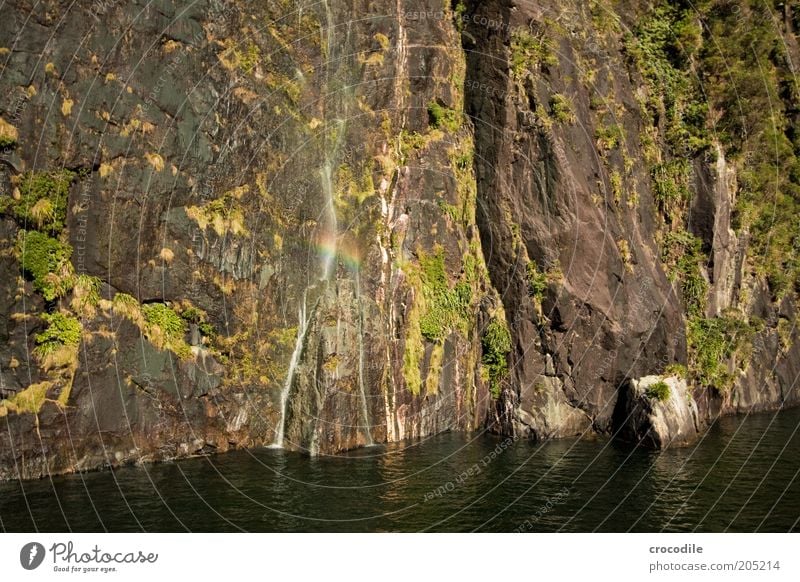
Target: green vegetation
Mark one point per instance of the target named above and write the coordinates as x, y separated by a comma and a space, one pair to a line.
677, 370
159, 323
62, 331
662, 47
42, 201
684, 257
127, 306
561, 109
444, 118
85, 294
46, 260
732, 60
671, 186
529, 50
609, 137
537, 282
445, 308
200, 319
496, 344
247, 56
712, 342
659, 391
165, 329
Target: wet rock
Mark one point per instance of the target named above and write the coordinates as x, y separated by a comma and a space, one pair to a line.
657, 412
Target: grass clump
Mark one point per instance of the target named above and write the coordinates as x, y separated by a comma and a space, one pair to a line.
8, 134
443, 117
46, 261
165, 329
224, 214
561, 109
676, 370
496, 344
85, 295
62, 331
42, 201
530, 50
659, 391
537, 282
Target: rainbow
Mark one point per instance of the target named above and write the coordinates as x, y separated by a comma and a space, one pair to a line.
343, 251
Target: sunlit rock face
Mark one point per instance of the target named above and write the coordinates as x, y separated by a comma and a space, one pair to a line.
326, 225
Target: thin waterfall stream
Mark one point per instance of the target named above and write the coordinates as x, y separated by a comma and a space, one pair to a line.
333, 134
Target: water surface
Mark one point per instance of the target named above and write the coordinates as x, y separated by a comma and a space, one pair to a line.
743, 476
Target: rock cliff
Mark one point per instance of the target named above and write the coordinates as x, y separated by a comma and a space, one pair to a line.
322, 225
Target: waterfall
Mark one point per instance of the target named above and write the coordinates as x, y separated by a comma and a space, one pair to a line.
335, 114
295, 360
364, 408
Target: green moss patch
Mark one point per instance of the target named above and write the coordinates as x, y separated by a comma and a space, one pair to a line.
62, 331
46, 261
42, 201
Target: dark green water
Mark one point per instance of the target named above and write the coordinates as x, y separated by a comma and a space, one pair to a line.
742, 477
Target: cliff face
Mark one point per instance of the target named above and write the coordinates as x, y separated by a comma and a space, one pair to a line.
321, 225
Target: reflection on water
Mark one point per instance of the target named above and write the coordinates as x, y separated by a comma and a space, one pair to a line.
743, 476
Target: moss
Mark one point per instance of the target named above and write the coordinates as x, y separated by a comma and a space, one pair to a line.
244, 55
46, 260
444, 118
62, 331
659, 391
42, 201
496, 344
27, 401
537, 282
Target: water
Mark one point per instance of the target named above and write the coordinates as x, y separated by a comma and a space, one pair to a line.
302, 329
743, 477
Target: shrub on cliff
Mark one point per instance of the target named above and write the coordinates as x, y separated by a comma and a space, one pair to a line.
42, 200
62, 331
46, 260
496, 344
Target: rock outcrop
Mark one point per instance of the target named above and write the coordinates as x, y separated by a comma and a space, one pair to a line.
658, 412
